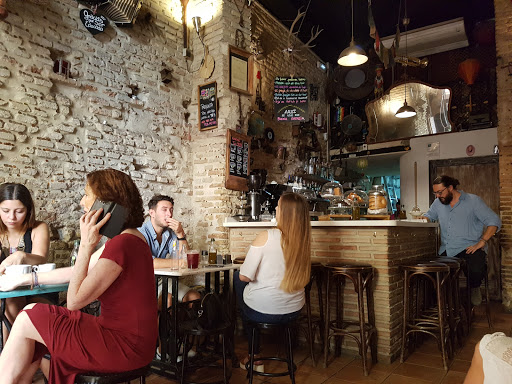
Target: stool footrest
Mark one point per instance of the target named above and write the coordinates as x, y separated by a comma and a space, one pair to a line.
272, 374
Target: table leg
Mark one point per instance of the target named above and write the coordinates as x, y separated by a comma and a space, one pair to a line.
164, 330
174, 322
217, 282
207, 282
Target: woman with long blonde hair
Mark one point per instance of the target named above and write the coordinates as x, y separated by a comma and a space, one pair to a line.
271, 281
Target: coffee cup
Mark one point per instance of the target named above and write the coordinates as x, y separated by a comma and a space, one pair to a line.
44, 267
18, 269
193, 259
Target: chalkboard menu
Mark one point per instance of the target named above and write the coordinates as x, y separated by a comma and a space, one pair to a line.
291, 98
207, 96
238, 157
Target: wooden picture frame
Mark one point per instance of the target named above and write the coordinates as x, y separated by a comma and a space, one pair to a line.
240, 70
238, 150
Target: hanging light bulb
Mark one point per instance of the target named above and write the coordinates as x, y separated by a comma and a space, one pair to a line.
405, 110
352, 55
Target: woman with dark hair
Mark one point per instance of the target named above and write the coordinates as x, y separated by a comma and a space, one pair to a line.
270, 285
24, 240
116, 341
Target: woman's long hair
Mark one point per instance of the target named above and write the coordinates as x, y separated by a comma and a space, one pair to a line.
116, 186
13, 191
293, 222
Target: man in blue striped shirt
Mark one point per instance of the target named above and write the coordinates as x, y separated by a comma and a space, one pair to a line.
463, 218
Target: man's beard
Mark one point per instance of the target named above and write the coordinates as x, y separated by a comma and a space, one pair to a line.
446, 200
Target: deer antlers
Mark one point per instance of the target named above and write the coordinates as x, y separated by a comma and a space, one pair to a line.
293, 38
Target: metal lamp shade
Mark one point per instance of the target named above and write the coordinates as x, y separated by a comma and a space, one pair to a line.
405, 111
352, 56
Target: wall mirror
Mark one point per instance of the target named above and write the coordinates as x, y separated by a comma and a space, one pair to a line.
432, 107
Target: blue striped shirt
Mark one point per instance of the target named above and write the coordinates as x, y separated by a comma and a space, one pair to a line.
158, 250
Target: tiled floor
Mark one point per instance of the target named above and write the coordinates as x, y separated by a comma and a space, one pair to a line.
422, 367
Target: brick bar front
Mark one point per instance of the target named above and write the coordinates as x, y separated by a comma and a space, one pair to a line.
383, 244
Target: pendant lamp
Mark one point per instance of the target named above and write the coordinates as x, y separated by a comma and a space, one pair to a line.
405, 110
352, 55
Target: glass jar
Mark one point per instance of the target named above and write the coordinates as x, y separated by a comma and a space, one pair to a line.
357, 194
331, 190
340, 206
377, 201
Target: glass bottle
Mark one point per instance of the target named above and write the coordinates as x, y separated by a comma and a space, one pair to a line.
212, 253
74, 253
174, 256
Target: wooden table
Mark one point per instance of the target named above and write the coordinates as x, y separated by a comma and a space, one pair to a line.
168, 337
21, 292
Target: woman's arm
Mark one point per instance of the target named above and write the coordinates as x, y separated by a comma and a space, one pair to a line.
248, 270
40, 248
86, 286
57, 276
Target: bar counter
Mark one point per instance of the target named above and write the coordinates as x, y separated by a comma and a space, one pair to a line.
383, 244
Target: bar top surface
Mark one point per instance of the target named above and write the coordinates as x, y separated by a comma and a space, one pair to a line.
231, 223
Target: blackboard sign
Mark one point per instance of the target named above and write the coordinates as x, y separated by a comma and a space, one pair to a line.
94, 23
207, 96
238, 157
291, 98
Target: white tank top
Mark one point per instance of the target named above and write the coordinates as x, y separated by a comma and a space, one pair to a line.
265, 267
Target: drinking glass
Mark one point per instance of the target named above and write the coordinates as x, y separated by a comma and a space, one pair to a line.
193, 259
204, 258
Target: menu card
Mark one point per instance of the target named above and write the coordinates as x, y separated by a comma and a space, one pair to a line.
238, 157
207, 96
291, 98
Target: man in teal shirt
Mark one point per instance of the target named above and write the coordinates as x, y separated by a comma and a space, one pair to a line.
463, 218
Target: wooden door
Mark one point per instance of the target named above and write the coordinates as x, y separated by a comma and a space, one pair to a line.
480, 176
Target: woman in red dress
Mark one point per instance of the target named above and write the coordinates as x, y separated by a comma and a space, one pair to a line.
120, 275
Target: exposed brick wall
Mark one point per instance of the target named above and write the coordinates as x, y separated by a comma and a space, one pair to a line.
53, 130
503, 16
385, 248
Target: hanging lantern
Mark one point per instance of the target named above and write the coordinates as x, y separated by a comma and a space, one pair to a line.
362, 163
468, 70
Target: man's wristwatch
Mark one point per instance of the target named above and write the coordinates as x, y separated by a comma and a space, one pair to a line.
182, 238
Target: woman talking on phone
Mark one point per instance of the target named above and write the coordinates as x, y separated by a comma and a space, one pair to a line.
117, 340
24, 239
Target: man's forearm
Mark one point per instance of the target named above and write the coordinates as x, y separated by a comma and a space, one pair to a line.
164, 263
489, 232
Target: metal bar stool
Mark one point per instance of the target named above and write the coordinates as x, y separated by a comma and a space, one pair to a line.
426, 322
113, 378
287, 328
190, 329
313, 322
364, 331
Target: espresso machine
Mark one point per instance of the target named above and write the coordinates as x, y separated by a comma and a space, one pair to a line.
255, 197
273, 192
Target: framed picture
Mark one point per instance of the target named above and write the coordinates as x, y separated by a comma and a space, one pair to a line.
240, 70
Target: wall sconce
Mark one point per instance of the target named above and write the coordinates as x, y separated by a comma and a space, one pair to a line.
196, 20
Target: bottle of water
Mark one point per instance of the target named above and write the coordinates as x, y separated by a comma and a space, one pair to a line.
174, 256
74, 253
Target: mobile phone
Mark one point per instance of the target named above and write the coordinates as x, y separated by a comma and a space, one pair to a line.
118, 214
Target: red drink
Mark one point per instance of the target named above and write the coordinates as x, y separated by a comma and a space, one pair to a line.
193, 259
